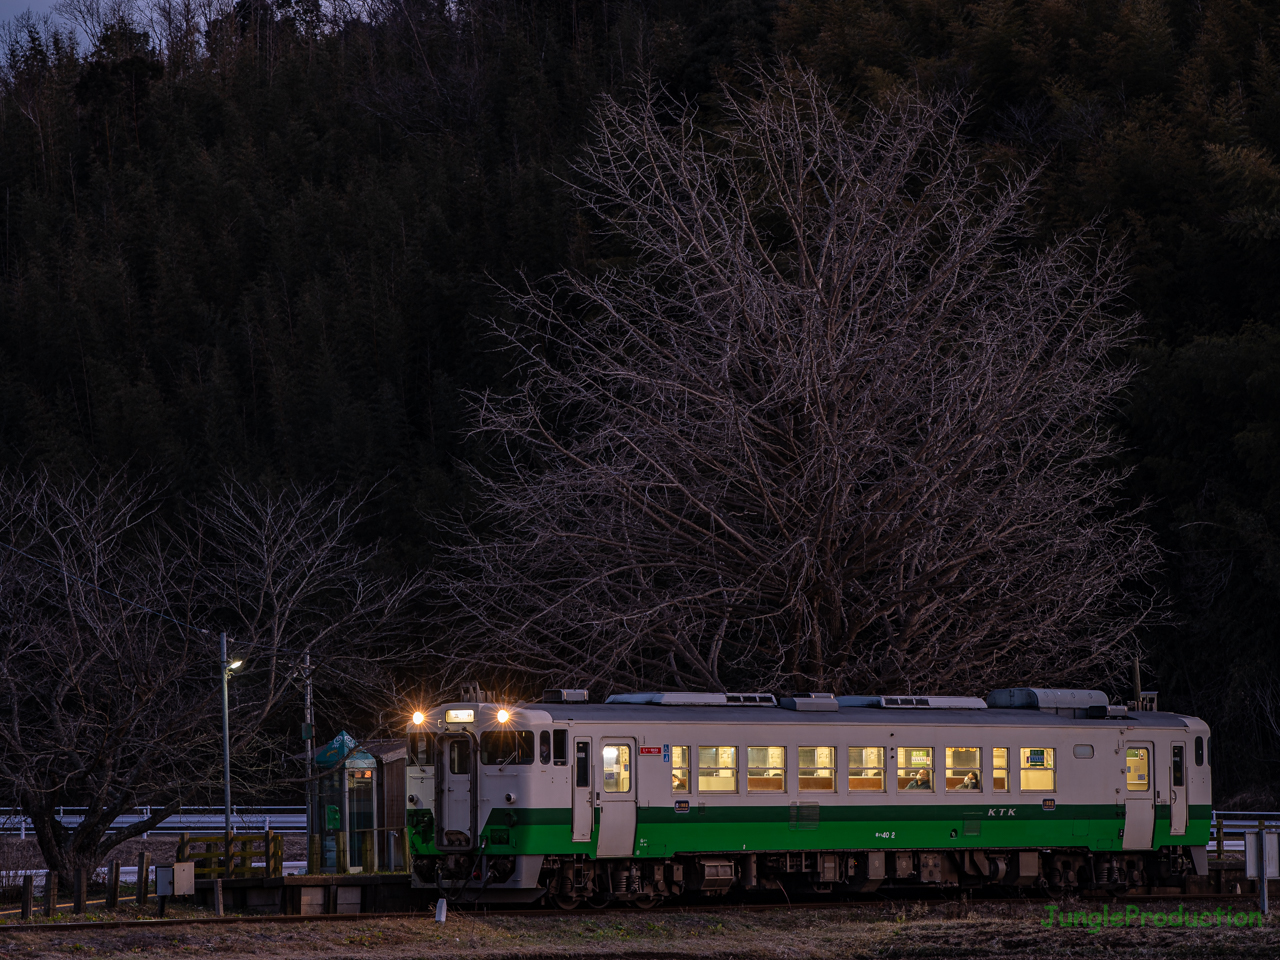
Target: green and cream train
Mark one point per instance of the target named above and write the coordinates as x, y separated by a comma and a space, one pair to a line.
654, 795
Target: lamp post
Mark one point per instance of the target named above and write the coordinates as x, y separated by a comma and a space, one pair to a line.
228, 668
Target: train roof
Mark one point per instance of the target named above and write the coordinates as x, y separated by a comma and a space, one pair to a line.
868, 716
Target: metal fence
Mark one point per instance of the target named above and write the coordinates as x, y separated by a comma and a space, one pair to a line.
1227, 835
187, 820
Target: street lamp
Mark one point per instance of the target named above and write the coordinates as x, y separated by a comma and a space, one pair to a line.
228, 668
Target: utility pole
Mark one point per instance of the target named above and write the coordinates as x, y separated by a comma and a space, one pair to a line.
310, 721
226, 736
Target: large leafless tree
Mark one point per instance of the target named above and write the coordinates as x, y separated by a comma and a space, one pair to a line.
832, 422
109, 655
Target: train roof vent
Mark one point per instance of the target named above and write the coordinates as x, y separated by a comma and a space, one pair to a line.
1045, 700
685, 699
916, 703
564, 696
810, 702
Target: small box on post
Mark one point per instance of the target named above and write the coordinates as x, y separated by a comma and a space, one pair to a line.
178, 880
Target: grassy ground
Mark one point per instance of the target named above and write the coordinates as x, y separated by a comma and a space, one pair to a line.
942, 931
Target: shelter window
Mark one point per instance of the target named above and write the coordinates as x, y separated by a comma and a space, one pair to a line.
1199, 751
866, 768
617, 767
459, 756
999, 769
1137, 768
964, 768
717, 769
560, 748
766, 769
1179, 764
506, 746
1037, 769
544, 746
818, 769
915, 768
680, 769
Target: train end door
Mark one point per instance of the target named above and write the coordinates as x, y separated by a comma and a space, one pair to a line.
456, 792
1140, 796
1177, 790
584, 811
617, 797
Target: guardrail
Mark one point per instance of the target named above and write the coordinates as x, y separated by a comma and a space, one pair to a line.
187, 820
1227, 834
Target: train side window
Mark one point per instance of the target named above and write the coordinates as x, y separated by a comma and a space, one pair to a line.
422, 749
915, 768
964, 768
582, 761
544, 746
1199, 751
501, 747
1082, 751
1037, 771
1137, 768
999, 769
560, 748
866, 768
717, 769
766, 769
680, 769
1208, 751
459, 757
1178, 764
818, 769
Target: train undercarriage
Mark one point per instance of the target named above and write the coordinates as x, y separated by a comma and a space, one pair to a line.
572, 881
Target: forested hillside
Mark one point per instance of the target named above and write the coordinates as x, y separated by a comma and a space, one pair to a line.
267, 242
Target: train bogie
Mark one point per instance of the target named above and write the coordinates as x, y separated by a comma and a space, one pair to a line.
656, 795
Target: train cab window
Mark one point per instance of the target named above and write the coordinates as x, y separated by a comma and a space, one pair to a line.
766, 769
1137, 768
866, 768
1037, 769
422, 749
501, 747
1179, 764
1208, 751
617, 767
560, 748
999, 769
1199, 751
964, 769
717, 769
817, 769
915, 768
680, 769
459, 757
544, 746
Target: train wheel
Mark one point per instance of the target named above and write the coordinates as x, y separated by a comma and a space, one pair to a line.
644, 903
567, 903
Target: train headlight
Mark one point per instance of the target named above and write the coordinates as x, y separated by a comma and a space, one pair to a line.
418, 717
503, 716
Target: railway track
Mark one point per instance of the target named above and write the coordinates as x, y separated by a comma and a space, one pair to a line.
485, 911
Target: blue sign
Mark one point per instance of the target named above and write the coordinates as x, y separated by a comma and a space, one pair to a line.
666, 753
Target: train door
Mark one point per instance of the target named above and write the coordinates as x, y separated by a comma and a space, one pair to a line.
617, 798
1139, 797
455, 792
584, 810
1177, 790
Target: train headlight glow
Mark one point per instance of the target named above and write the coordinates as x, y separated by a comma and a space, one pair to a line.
418, 717
503, 716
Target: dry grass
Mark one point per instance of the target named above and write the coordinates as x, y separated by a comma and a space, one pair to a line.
952, 931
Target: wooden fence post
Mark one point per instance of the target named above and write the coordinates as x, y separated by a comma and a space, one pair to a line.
315, 862
217, 897
144, 878
368, 855
228, 840
406, 849
113, 885
184, 848
28, 895
340, 848
50, 893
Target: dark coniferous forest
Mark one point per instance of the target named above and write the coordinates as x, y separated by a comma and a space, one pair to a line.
268, 241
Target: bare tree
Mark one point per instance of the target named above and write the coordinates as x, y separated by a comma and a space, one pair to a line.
110, 700
837, 424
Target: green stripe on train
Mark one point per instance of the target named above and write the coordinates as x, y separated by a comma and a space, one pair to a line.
662, 832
